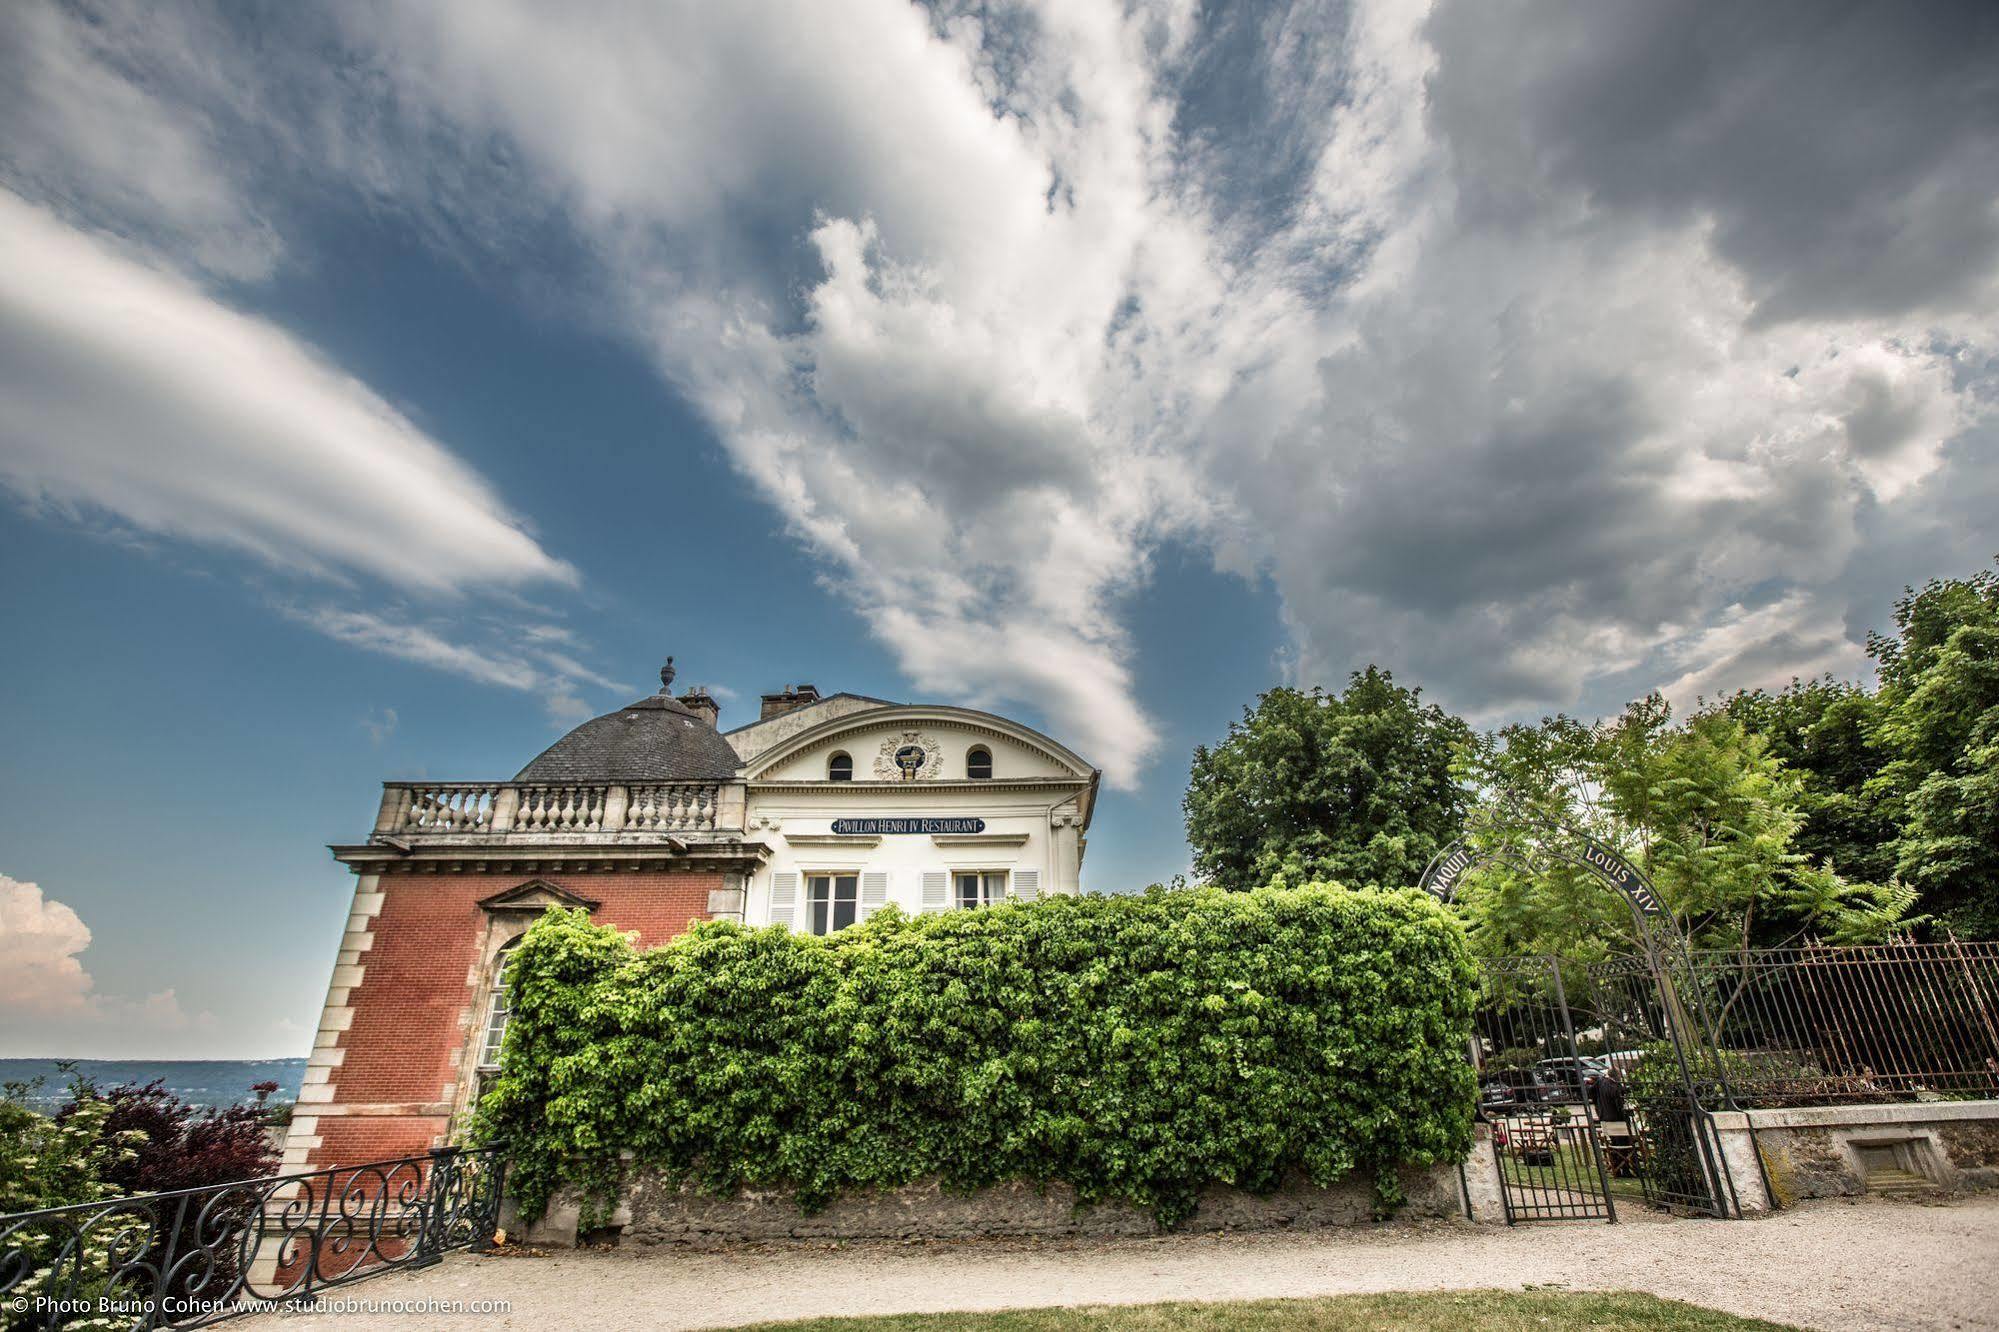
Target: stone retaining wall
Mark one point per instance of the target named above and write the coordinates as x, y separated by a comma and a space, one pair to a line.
655, 1213
1828, 1151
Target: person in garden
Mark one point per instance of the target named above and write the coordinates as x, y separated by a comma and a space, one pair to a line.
1608, 1095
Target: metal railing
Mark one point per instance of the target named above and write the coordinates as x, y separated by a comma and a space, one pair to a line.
194, 1256
1830, 1025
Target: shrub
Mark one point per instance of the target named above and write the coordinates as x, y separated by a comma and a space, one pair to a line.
1136, 1048
49, 1163
183, 1146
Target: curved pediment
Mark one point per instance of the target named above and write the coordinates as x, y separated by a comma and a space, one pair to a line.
928, 742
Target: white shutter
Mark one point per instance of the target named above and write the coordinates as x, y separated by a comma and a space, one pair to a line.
1026, 885
783, 899
874, 892
936, 891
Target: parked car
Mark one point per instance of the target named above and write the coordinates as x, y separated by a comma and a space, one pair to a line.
1507, 1089
1573, 1075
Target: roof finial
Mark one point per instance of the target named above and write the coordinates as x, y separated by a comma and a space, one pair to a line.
666, 677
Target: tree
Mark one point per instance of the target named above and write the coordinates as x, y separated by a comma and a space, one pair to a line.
1822, 730
1356, 788
1706, 810
1938, 718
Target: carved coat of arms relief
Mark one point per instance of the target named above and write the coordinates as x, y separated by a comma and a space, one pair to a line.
909, 756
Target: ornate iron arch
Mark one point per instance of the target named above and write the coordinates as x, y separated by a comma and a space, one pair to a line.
1662, 942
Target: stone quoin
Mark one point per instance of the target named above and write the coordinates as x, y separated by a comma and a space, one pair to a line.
815, 815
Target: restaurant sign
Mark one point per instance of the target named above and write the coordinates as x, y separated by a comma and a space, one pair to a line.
891, 827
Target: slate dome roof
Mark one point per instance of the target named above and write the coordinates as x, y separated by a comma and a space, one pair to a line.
657, 739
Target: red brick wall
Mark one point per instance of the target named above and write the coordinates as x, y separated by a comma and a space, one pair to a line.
415, 995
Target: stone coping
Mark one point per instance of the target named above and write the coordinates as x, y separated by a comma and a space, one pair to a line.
1833, 1116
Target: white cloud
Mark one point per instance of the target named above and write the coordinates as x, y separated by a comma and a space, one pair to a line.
555, 676
1514, 444
420, 644
41, 975
946, 416
1764, 648
129, 390
1502, 387
49, 1003
83, 126
380, 724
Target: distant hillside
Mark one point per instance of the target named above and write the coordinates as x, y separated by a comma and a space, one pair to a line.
209, 1082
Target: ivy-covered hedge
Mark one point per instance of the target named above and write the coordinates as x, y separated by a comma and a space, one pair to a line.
1134, 1047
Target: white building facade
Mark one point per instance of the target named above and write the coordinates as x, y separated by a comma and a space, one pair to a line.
862, 802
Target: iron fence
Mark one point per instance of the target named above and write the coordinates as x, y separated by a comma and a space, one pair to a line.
194, 1256
1827, 1025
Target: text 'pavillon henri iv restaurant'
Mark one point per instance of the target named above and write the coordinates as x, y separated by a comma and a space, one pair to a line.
814, 815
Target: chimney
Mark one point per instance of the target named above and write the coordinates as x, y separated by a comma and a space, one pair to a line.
792, 698
700, 701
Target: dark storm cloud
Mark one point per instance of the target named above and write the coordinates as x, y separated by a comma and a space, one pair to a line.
1650, 367
1848, 154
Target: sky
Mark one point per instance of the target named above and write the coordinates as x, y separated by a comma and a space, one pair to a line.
386, 387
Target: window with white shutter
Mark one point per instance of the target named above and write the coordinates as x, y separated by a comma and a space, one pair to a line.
832, 902
1026, 885
783, 899
936, 891
874, 892
978, 888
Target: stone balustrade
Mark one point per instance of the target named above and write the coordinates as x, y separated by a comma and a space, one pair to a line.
539, 811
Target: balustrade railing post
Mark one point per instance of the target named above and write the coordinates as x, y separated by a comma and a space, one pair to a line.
506, 804
395, 799
730, 806
617, 799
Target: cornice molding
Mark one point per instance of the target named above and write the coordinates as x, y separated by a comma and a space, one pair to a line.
921, 787
372, 858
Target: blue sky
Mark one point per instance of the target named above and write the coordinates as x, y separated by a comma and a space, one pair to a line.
385, 387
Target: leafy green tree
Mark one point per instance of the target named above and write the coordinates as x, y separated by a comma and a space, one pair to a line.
1528, 778
1706, 810
1938, 717
1821, 729
1356, 788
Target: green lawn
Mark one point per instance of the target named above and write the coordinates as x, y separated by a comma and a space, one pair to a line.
1577, 1170
1445, 1311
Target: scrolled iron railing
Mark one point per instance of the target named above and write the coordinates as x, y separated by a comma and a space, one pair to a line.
195, 1256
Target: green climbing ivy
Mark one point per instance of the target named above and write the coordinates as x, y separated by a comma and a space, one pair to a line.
1135, 1047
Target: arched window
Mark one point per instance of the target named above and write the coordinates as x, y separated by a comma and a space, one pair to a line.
496, 1008
840, 768
979, 763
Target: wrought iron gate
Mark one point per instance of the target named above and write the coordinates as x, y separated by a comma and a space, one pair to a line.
1534, 1096
1588, 1095
1647, 1014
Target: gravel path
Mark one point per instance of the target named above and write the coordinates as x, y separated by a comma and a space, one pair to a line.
1839, 1265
